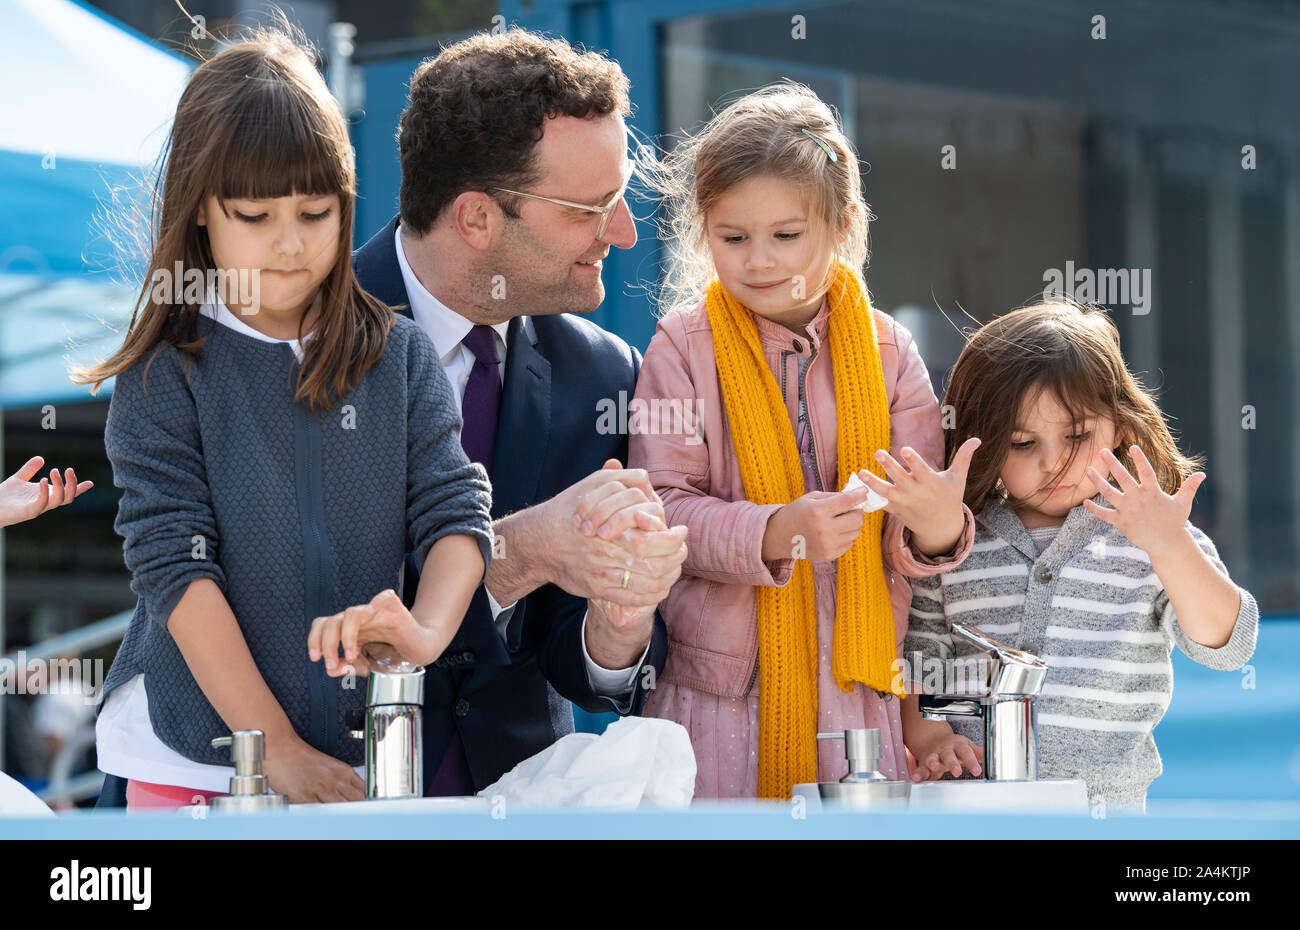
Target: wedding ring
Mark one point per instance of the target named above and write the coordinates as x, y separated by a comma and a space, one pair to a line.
626, 575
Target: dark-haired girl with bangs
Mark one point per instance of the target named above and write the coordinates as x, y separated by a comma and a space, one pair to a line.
1099, 579
282, 439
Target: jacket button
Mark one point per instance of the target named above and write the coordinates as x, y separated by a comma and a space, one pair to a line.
1044, 575
798, 346
461, 707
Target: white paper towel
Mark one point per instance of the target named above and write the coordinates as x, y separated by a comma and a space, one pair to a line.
17, 801
873, 502
636, 762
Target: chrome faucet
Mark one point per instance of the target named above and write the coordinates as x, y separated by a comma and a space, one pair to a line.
394, 733
1007, 699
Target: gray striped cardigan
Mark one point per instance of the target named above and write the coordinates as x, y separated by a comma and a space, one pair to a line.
1094, 610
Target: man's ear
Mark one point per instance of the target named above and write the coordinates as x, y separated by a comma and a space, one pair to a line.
477, 218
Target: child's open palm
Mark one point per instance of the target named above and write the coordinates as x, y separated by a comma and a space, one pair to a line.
928, 502
21, 500
1141, 510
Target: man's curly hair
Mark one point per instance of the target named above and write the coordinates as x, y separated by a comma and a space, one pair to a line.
476, 112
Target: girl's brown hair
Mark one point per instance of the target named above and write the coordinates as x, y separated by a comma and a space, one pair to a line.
256, 121
761, 133
1073, 351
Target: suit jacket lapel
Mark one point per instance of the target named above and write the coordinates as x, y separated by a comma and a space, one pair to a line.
379, 272
524, 424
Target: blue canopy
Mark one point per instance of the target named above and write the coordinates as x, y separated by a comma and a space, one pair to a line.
87, 109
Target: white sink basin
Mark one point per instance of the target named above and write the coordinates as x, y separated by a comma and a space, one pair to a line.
1045, 795
403, 806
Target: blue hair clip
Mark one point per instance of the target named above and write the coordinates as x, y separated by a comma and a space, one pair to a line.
821, 143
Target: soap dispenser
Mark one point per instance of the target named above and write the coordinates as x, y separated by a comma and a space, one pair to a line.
249, 790
865, 786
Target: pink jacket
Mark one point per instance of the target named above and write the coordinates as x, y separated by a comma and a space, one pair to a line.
711, 612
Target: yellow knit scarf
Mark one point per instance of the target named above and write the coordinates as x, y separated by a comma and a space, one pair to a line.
764, 441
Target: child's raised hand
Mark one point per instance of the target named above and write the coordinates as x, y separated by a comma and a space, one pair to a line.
927, 501
944, 753
1141, 510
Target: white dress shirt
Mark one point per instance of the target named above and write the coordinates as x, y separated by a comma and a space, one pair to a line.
447, 329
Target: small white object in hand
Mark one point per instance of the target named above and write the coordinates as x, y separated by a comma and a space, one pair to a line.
873, 502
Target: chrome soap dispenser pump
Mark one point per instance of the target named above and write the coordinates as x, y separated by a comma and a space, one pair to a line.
250, 791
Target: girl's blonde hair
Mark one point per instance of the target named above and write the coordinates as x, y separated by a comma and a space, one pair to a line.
256, 121
1073, 352
761, 133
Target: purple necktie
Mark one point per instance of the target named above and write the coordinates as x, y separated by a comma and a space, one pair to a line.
482, 399
478, 436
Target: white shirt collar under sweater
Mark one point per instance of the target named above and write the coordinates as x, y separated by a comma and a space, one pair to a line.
216, 309
445, 326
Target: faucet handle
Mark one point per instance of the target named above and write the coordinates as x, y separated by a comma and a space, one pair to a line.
1014, 672
1004, 651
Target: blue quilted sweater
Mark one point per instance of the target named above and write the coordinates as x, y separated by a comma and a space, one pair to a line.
293, 515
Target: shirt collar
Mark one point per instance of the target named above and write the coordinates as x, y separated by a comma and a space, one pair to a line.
445, 326
215, 308
1079, 529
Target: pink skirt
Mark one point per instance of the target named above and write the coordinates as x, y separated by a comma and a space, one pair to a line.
724, 731
143, 795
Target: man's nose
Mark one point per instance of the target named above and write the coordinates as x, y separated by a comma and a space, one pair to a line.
621, 231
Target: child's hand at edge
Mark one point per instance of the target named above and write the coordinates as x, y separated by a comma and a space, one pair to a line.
21, 500
942, 753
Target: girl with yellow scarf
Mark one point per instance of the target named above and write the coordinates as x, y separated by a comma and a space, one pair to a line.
793, 602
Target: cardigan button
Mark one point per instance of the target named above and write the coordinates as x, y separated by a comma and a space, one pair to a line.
1044, 575
461, 707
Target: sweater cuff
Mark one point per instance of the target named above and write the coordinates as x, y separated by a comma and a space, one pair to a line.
915, 564
163, 603
1240, 645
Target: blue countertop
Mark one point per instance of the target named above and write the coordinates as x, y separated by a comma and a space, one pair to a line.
1176, 820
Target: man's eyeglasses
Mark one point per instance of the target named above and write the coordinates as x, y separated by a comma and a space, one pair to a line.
605, 211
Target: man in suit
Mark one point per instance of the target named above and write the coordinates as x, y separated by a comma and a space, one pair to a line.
514, 165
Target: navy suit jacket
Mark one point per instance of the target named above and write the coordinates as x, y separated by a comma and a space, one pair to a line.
506, 699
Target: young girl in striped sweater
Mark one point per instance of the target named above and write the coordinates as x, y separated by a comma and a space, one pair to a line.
1099, 579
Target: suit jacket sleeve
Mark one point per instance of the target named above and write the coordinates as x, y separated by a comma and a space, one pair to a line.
559, 615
